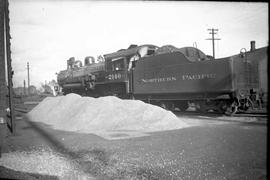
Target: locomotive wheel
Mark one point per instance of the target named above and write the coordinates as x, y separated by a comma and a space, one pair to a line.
182, 105
163, 105
245, 105
166, 105
65, 92
222, 107
231, 109
228, 108
202, 107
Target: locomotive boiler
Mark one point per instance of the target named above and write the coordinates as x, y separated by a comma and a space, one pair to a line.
81, 79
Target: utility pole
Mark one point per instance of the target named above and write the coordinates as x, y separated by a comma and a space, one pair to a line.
28, 77
6, 74
213, 32
24, 88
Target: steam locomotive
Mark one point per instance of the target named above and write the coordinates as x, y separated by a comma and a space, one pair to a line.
173, 77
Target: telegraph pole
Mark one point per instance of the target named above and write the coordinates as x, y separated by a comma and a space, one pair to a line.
213, 32
24, 88
28, 77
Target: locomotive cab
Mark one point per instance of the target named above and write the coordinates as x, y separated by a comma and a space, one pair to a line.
118, 67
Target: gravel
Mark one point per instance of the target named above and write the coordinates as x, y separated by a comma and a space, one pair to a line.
42, 161
95, 115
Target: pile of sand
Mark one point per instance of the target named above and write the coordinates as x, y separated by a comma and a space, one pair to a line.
86, 114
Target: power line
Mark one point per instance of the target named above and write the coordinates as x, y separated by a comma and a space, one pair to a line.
213, 32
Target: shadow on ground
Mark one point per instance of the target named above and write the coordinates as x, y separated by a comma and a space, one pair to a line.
6, 173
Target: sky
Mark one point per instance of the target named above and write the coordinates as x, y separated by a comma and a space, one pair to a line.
46, 33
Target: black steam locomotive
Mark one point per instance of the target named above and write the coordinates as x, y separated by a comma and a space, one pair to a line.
173, 77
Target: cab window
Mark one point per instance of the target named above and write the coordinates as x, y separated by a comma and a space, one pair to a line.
118, 64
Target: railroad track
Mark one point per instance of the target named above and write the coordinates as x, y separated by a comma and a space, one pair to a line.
22, 110
258, 119
216, 114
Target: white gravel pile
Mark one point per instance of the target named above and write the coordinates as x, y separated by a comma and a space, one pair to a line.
85, 114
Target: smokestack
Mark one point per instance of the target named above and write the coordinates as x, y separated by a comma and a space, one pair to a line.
252, 45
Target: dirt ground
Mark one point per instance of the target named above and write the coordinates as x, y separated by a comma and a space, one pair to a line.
209, 150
